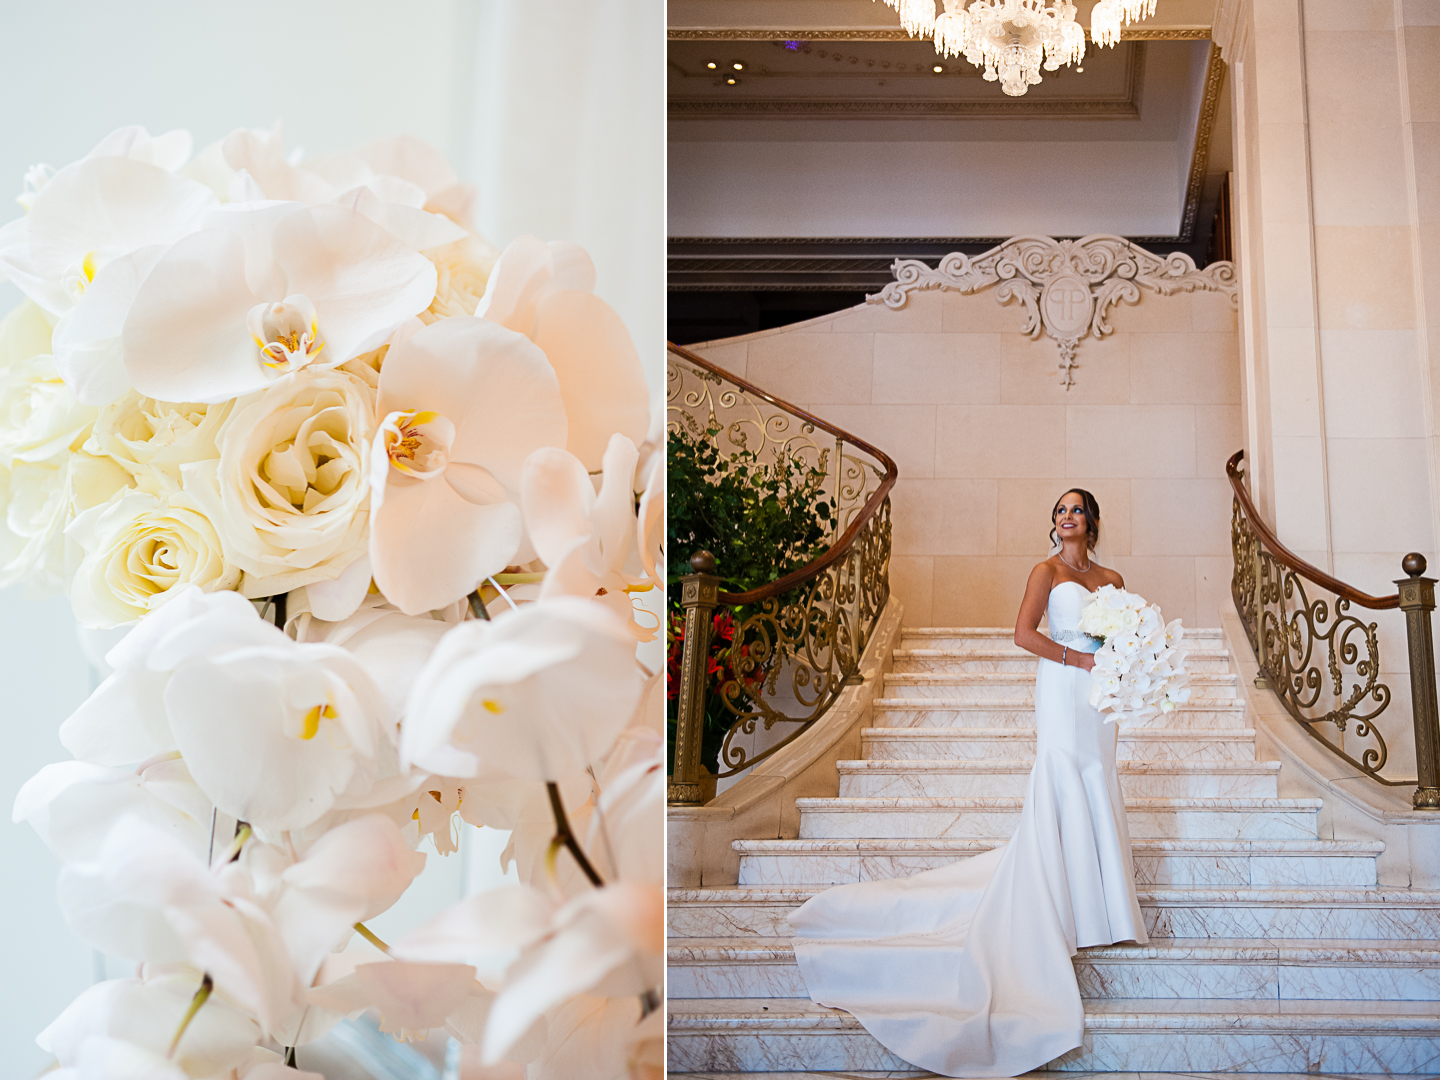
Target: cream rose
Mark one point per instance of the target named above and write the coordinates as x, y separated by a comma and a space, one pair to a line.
37, 502
152, 439
289, 493
461, 268
139, 548
39, 416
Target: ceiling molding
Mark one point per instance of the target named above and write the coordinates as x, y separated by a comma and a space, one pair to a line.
1123, 107
735, 33
1200, 157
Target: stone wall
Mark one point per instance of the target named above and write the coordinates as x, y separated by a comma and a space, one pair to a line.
987, 438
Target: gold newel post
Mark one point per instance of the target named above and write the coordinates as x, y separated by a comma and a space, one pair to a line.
698, 596
1417, 600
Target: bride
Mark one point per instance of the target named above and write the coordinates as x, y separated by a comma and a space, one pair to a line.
965, 970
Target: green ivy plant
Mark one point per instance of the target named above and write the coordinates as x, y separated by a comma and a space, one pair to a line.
761, 520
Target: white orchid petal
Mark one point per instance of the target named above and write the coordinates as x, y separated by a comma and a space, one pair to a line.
601, 378
558, 498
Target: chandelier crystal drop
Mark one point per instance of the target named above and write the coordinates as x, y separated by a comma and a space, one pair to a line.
1013, 39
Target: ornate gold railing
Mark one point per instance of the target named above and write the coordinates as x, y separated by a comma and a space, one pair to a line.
798, 641
1322, 661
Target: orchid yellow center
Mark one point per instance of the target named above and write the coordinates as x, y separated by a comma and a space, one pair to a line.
313, 718
79, 276
287, 334
492, 706
418, 442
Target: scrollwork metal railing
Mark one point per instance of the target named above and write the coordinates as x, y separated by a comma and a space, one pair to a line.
796, 642
1321, 659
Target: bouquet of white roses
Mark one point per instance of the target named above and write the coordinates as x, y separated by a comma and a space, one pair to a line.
374, 502
1140, 668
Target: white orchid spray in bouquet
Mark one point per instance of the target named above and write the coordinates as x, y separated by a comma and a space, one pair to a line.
1140, 667
374, 503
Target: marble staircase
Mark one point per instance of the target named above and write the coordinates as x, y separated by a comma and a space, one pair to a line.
1272, 948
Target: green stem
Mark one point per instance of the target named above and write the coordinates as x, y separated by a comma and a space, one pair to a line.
233, 851
364, 931
566, 839
201, 996
517, 579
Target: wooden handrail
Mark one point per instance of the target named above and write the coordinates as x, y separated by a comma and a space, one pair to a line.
1287, 557
842, 546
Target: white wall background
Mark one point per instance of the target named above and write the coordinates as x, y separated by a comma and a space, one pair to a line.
555, 110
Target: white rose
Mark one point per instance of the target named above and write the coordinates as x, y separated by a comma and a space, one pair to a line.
289, 491
152, 439
39, 416
37, 502
139, 548
24, 332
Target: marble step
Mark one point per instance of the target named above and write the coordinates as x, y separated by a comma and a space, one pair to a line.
1397, 1038
979, 686
1002, 638
994, 660
1196, 970
1207, 819
1382, 914
1020, 712
995, 777
1135, 744
1175, 863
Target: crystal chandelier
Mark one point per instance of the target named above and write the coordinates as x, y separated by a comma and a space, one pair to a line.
1013, 39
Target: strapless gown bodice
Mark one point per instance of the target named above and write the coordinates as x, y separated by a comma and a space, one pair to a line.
966, 969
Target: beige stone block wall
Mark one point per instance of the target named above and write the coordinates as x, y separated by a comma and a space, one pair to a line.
986, 439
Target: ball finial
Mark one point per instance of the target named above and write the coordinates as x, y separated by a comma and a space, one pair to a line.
702, 562
1413, 564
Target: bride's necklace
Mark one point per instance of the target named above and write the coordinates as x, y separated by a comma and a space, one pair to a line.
1072, 566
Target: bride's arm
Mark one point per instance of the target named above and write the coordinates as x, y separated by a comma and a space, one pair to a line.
1027, 634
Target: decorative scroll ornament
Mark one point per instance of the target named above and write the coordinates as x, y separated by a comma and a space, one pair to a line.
1067, 287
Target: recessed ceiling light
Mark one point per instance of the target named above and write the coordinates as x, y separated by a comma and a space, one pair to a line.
937, 69
1079, 70
732, 81
738, 65
712, 64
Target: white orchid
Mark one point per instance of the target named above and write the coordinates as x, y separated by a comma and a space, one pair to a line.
276, 732
260, 292
148, 1014
544, 292
72, 804
412, 998
540, 692
90, 214
584, 538
463, 402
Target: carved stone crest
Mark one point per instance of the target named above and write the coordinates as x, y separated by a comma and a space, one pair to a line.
1067, 287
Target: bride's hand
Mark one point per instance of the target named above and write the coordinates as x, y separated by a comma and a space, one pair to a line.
1085, 661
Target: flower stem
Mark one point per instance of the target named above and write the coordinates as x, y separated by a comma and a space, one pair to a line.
477, 606
516, 579
364, 931
201, 996
233, 851
565, 838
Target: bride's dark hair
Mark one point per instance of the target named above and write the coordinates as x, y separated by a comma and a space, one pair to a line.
1091, 509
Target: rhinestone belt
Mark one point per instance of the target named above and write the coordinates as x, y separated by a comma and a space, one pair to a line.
1066, 637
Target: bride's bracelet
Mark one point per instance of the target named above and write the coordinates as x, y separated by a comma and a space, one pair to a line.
1064, 652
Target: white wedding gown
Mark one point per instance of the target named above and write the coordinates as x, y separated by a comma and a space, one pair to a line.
966, 970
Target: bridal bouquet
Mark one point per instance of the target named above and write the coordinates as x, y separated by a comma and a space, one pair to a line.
372, 502
1140, 668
